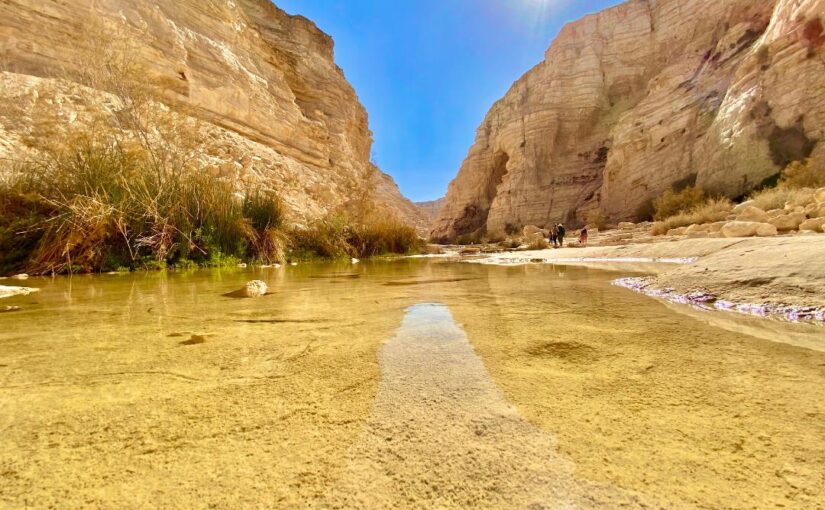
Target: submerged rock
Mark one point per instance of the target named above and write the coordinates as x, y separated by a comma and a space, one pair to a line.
8, 291
255, 288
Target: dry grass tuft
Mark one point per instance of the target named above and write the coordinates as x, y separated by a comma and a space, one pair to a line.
711, 211
672, 203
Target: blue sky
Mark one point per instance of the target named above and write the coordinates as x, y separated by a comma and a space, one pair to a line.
428, 70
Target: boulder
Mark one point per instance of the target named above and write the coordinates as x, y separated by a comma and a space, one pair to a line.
817, 211
255, 289
21, 276
744, 205
716, 227
752, 213
696, 229
531, 231
773, 213
787, 222
819, 195
766, 230
626, 225
677, 231
741, 228
813, 225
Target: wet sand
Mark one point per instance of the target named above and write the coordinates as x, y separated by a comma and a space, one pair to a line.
524, 387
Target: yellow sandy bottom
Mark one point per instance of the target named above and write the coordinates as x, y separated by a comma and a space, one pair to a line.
407, 384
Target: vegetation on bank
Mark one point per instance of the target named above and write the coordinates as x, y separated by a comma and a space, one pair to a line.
100, 205
130, 184
689, 206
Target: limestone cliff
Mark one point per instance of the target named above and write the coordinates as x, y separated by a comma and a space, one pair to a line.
431, 209
277, 109
642, 97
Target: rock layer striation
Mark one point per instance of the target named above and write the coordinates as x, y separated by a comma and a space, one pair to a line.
643, 97
265, 83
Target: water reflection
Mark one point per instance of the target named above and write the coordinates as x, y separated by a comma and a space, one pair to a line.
442, 433
527, 385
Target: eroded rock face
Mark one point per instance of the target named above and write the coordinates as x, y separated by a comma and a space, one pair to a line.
643, 97
277, 108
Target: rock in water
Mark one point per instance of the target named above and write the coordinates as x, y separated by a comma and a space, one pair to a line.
255, 288
7, 291
642, 97
355, 260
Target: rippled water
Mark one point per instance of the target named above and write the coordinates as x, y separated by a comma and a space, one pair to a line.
405, 384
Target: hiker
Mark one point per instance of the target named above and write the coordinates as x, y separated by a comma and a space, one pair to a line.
583, 237
560, 235
554, 235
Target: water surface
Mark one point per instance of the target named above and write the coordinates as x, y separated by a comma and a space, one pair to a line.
406, 384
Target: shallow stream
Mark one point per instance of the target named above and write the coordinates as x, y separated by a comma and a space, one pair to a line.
402, 384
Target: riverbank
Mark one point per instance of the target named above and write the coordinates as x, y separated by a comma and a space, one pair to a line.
763, 276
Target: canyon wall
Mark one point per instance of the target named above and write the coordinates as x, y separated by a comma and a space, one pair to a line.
643, 97
274, 107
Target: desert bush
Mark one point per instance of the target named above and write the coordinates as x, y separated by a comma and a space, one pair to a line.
340, 235
671, 202
710, 211
807, 174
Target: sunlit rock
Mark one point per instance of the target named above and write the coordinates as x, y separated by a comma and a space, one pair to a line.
788, 222
751, 213
255, 288
9, 291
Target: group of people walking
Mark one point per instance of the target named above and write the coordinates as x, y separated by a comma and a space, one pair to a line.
557, 233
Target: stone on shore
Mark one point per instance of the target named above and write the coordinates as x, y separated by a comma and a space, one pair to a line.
744, 205
813, 225
626, 225
748, 229
532, 231
816, 211
752, 213
788, 222
255, 289
819, 195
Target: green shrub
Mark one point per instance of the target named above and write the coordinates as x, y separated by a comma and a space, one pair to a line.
671, 202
